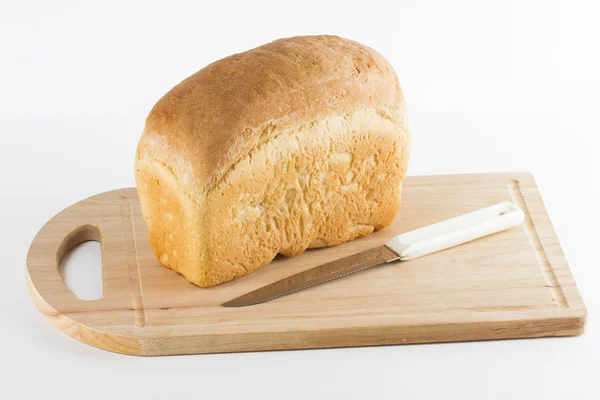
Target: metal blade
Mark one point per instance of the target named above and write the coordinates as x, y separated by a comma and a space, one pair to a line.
315, 276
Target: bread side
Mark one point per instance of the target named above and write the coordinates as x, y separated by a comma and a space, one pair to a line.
317, 162
322, 185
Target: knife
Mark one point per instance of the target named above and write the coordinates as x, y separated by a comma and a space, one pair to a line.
404, 247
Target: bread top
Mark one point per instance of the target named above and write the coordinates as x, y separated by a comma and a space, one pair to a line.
217, 116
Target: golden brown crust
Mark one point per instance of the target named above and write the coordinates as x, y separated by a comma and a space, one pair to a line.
295, 144
219, 114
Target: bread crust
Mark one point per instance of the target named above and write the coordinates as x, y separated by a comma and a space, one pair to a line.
300, 143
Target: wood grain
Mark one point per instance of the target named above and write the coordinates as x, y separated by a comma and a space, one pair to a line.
514, 284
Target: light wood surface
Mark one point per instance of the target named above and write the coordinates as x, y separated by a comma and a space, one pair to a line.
514, 284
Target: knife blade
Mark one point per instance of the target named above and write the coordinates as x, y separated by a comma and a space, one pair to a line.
315, 276
406, 246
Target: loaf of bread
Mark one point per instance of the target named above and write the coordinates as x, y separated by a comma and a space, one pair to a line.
297, 144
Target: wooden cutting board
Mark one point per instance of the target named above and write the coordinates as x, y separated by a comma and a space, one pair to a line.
514, 284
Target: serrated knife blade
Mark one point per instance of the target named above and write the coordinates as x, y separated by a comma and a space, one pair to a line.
316, 276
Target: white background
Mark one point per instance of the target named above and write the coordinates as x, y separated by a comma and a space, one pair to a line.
491, 86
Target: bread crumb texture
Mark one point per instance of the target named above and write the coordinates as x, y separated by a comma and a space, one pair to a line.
312, 153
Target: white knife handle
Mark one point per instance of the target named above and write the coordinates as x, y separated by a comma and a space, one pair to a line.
455, 231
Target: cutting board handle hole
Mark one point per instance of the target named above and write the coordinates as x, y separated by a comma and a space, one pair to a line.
80, 263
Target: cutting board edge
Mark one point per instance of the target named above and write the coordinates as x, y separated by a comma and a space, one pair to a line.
387, 335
